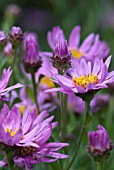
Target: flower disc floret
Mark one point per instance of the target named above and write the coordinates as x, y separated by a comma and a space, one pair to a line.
76, 53
12, 133
84, 81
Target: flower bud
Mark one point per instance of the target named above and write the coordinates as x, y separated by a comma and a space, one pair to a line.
3, 40
99, 144
32, 60
12, 10
61, 56
16, 35
3, 37
8, 51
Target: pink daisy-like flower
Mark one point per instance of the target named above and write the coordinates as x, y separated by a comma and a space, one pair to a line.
84, 76
92, 46
28, 136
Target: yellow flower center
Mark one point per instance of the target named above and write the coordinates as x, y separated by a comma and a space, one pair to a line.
22, 109
76, 53
12, 133
47, 81
83, 81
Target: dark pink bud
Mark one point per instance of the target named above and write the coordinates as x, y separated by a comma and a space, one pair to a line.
99, 143
32, 60
61, 56
16, 35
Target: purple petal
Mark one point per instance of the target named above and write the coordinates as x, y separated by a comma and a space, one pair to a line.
74, 38
18, 136
87, 43
107, 62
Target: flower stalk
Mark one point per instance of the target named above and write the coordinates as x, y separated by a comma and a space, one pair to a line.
10, 162
62, 114
14, 57
35, 91
100, 165
62, 117
80, 137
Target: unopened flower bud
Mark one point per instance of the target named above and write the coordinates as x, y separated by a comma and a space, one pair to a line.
8, 51
16, 35
3, 37
12, 10
99, 144
3, 40
61, 56
32, 60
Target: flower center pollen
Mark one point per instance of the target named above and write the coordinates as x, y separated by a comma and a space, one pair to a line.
47, 81
76, 53
12, 133
84, 81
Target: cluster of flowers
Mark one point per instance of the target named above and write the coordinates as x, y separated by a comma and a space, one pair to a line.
79, 70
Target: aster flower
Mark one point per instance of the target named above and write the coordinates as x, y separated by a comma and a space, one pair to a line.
4, 82
100, 144
32, 60
91, 47
28, 137
84, 76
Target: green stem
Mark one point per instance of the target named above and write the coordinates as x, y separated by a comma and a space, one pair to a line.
62, 118
100, 165
35, 90
80, 137
10, 161
62, 114
13, 65
14, 58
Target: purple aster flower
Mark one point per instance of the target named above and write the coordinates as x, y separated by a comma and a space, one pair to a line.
32, 60
15, 35
99, 143
61, 56
84, 76
4, 82
91, 47
8, 51
100, 102
28, 137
